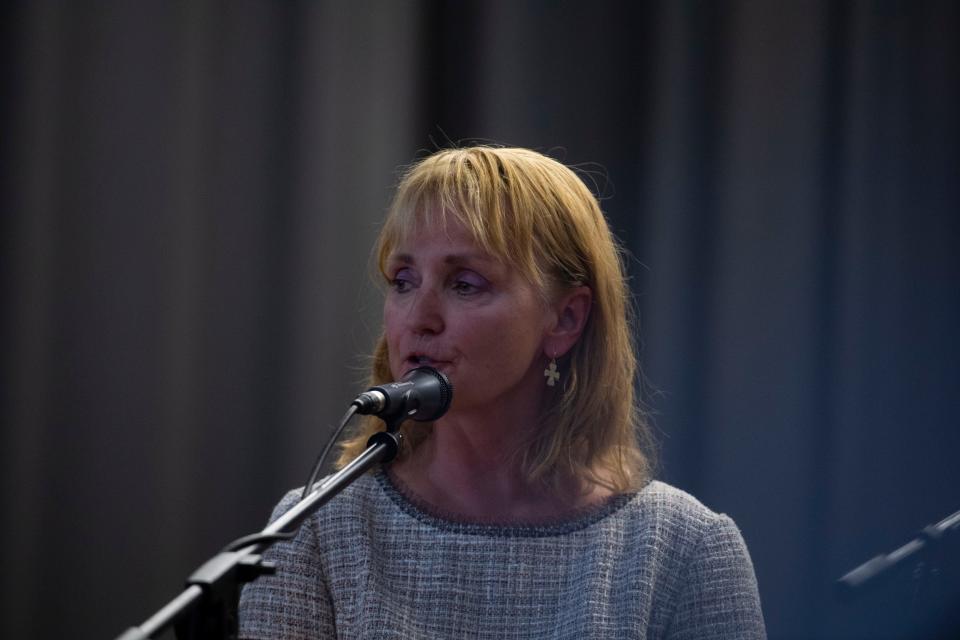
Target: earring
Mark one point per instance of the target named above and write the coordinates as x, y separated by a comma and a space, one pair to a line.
552, 373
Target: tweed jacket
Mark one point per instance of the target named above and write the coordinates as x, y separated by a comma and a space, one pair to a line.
375, 564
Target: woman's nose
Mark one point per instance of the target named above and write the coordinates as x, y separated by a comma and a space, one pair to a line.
426, 312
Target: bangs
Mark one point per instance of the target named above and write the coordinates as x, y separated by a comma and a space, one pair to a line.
471, 188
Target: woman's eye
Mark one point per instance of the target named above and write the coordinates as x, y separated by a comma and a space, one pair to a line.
401, 282
462, 287
468, 284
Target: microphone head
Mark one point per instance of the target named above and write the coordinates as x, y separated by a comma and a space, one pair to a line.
433, 393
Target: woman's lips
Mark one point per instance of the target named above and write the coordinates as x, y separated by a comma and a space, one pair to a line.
415, 361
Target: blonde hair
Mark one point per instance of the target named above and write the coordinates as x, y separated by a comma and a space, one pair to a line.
536, 215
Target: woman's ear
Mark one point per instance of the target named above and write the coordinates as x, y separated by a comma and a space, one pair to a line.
572, 310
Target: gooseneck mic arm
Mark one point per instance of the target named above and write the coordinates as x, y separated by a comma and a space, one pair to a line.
207, 607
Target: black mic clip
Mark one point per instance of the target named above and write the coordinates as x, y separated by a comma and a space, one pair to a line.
377, 401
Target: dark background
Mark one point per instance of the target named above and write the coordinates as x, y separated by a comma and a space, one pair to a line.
190, 191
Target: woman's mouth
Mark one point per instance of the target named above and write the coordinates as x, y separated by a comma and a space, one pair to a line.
420, 360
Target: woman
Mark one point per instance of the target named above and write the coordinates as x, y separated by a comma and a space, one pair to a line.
528, 510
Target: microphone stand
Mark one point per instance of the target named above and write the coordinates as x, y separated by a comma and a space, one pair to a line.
207, 608
931, 538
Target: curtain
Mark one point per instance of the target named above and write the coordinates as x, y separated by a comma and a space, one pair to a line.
191, 189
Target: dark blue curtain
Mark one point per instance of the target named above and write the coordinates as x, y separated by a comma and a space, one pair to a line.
190, 190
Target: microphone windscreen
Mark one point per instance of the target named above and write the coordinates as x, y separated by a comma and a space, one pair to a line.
434, 393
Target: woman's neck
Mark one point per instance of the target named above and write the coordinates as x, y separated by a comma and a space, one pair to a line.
472, 470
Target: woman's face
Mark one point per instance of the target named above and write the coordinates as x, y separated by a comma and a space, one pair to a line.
454, 307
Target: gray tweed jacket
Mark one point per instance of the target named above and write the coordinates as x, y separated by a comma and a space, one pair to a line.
372, 564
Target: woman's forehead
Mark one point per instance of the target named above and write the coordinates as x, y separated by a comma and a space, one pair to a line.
451, 245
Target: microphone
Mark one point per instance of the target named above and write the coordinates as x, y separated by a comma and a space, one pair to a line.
423, 394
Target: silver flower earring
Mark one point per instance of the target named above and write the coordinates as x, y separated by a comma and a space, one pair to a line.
552, 373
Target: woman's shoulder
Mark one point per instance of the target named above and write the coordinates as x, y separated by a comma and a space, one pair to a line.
705, 554
353, 495
670, 502
679, 520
